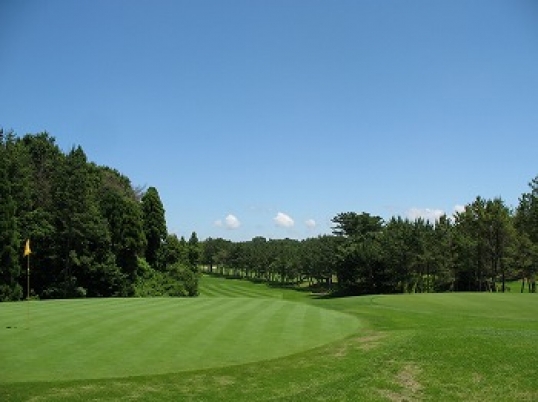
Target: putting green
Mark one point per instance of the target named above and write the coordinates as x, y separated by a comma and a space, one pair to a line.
106, 338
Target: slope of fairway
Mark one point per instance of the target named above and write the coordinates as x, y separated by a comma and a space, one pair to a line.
103, 338
213, 286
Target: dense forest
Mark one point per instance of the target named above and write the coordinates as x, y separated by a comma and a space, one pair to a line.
92, 233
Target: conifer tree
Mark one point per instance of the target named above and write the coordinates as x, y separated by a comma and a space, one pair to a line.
9, 241
194, 252
154, 224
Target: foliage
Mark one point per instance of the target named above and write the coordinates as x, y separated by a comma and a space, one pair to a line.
194, 252
87, 225
9, 250
154, 224
178, 280
90, 227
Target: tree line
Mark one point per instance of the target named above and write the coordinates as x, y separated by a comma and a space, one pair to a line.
478, 249
92, 233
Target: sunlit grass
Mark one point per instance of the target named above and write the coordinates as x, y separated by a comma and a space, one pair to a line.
104, 338
463, 346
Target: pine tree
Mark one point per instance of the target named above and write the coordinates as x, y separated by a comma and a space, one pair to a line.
83, 238
9, 241
154, 224
194, 253
133, 240
38, 221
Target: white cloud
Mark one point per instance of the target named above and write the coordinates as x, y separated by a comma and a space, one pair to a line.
283, 220
428, 214
459, 208
230, 222
310, 223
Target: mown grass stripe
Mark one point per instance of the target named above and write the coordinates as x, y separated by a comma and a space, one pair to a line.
250, 340
311, 323
227, 332
201, 344
211, 286
296, 320
234, 291
109, 338
164, 350
485, 343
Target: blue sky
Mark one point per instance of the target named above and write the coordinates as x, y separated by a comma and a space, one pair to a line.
270, 117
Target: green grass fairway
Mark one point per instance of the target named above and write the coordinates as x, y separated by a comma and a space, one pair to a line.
248, 342
83, 339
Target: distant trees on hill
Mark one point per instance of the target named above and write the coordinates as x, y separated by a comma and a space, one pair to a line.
91, 233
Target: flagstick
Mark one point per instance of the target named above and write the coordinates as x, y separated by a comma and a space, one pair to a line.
28, 291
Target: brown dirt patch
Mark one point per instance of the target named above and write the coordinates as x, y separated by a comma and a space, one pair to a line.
407, 380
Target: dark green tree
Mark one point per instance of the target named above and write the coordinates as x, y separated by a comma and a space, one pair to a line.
10, 249
215, 252
399, 253
444, 254
319, 259
526, 225
132, 242
500, 234
194, 251
352, 224
83, 240
470, 247
360, 268
154, 224
484, 235
171, 252
36, 221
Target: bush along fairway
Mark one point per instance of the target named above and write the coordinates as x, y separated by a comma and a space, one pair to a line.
244, 341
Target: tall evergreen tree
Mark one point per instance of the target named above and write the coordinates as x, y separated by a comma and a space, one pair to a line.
319, 258
399, 252
195, 251
124, 216
444, 254
154, 224
526, 223
500, 235
526, 218
360, 267
83, 239
38, 220
9, 238
484, 234
133, 241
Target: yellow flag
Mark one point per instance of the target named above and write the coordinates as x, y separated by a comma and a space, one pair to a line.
27, 250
